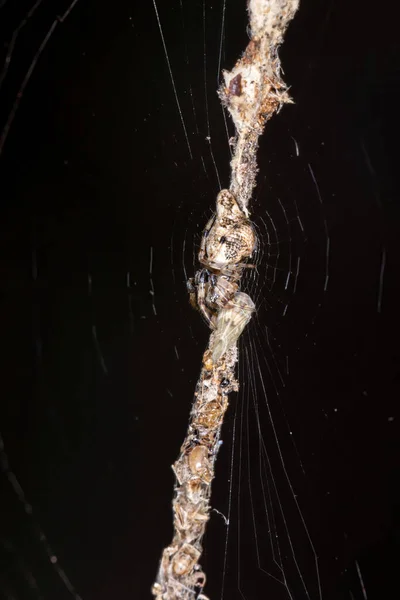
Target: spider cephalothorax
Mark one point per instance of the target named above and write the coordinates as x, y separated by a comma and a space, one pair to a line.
228, 240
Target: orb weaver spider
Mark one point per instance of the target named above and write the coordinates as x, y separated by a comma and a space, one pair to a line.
228, 240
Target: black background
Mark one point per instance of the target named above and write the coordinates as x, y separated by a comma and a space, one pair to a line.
96, 387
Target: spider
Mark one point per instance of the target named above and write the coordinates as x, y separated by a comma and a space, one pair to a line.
228, 239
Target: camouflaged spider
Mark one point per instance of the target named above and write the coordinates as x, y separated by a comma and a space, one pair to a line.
228, 239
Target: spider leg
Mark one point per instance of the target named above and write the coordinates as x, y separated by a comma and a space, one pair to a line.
207, 313
191, 288
207, 229
236, 271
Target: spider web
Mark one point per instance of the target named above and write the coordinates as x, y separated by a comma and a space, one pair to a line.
114, 146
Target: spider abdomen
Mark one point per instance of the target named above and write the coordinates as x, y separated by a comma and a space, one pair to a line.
230, 245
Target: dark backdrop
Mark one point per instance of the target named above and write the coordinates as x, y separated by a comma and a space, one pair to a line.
98, 373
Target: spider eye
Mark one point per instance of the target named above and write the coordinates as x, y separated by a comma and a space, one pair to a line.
222, 240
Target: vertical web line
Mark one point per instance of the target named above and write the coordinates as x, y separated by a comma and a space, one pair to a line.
219, 71
205, 94
172, 78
